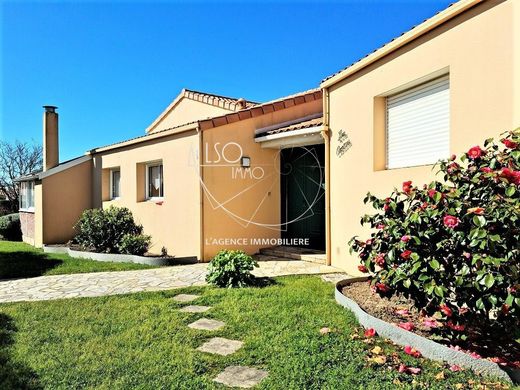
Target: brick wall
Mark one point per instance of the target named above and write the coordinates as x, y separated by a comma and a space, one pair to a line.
27, 225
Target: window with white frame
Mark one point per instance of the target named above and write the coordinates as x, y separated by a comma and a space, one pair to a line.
115, 183
154, 180
26, 198
418, 125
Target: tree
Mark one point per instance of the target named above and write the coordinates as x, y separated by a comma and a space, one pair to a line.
17, 159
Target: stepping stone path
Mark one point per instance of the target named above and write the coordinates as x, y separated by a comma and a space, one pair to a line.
185, 297
233, 376
239, 376
195, 309
221, 346
206, 324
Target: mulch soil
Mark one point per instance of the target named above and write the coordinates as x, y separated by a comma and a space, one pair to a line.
500, 348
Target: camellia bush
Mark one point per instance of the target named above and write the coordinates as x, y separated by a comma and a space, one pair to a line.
452, 246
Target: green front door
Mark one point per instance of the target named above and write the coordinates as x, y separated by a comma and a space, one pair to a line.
302, 173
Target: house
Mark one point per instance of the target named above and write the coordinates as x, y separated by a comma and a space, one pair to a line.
214, 172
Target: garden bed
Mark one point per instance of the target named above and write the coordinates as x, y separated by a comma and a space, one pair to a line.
117, 258
384, 315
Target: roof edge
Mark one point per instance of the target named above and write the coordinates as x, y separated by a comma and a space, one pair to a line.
409, 36
147, 137
57, 169
262, 109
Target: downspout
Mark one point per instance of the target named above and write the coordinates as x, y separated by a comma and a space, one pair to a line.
325, 133
201, 194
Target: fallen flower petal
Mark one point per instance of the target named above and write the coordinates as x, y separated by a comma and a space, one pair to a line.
370, 332
407, 326
324, 330
402, 312
412, 351
455, 368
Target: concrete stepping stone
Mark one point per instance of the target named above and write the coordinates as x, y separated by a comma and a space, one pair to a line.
240, 376
185, 297
195, 309
206, 324
221, 346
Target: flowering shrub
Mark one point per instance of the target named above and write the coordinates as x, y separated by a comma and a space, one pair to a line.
452, 246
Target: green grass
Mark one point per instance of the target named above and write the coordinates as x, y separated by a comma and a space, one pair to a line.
142, 341
20, 260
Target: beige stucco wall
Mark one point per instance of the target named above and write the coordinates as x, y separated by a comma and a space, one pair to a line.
64, 195
476, 49
185, 111
174, 224
238, 205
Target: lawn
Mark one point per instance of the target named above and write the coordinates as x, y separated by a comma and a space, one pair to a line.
20, 260
142, 341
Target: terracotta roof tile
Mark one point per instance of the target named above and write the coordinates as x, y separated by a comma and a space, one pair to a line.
305, 124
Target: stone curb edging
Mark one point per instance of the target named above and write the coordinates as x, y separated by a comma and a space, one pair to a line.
428, 348
112, 257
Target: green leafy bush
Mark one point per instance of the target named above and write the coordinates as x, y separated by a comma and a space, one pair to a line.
10, 227
452, 246
134, 244
231, 268
103, 230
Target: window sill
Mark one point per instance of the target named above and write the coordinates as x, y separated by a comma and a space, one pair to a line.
29, 210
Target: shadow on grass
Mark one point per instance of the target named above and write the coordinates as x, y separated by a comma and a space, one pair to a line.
260, 282
13, 375
25, 264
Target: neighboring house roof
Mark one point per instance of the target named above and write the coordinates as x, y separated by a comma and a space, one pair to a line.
224, 102
256, 110
261, 109
38, 175
415, 32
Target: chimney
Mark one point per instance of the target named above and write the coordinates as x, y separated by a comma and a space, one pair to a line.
50, 138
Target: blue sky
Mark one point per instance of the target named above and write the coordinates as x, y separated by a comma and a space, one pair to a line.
112, 67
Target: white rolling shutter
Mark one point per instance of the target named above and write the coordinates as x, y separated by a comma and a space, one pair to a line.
418, 125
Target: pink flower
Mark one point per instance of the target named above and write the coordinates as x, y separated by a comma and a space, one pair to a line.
407, 187
486, 169
370, 332
431, 323
363, 269
412, 351
380, 226
432, 192
408, 370
456, 327
402, 312
406, 254
509, 144
453, 167
475, 355
445, 309
369, 242
510, 175
407, 326
380, 260
455, 368
451, 221
475, 152
405, 238
386, 207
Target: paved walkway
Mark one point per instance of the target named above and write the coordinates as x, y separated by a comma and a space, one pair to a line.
111, 283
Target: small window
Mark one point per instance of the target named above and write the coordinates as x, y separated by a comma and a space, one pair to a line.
154, 181
26, 195
418, 125
115, 183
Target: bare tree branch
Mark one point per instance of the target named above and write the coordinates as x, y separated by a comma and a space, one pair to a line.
17, 159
